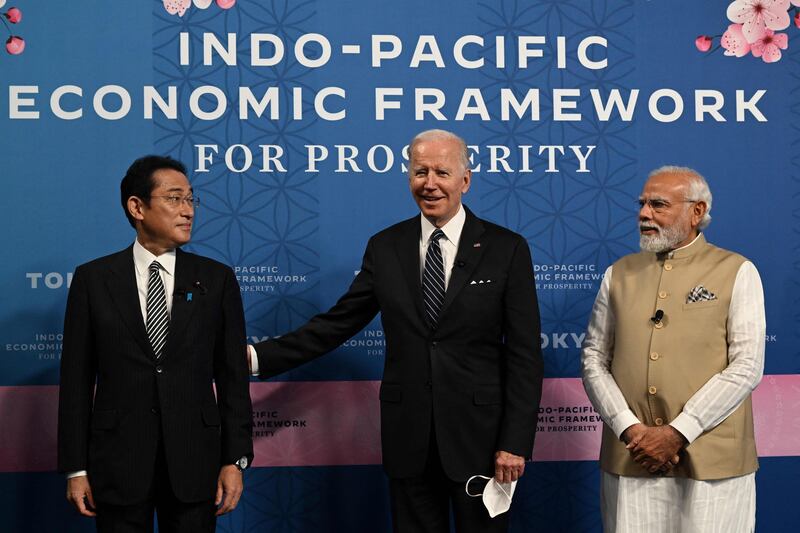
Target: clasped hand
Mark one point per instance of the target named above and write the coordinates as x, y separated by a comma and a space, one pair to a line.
655, 448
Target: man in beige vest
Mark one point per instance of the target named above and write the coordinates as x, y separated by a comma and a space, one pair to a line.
674, 348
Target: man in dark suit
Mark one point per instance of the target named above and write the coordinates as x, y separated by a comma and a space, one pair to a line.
148, 333
463, 372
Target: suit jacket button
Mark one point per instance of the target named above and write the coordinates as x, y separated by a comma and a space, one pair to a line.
154, 410
428, 384
159, 370
433, 345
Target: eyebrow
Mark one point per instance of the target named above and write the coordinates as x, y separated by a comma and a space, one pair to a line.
659, 198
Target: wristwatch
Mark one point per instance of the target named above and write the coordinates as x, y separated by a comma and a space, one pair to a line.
242, 463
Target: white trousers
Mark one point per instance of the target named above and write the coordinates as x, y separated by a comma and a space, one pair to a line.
678, 505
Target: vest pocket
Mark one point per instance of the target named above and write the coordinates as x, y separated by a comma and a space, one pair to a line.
700, 305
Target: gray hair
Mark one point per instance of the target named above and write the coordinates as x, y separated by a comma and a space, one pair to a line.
442, 135
698, 188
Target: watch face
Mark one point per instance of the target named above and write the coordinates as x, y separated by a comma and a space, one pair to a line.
243, 463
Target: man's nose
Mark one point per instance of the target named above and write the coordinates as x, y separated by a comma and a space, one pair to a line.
430, 180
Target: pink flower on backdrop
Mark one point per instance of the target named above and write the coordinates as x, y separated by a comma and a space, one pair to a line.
758, 16
15, 45
226, 4
14, 15
769, 47
177, 7
703, 43
733, 41
797, 19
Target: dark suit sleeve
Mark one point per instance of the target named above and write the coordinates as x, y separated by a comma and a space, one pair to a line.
523, 356
325, 331
78, 371
232, 377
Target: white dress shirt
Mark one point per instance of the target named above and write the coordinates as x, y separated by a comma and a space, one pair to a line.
142, 258
448, 243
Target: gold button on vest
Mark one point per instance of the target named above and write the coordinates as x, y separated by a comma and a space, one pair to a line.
659, 421
654, 356
652, 390
662, 294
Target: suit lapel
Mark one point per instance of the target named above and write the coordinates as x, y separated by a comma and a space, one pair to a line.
467, 258
185, 294
125, 296
408, 257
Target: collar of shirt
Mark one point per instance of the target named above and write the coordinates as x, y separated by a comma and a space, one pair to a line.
448, 243
141, 263
671, 253
452, 230
142, 257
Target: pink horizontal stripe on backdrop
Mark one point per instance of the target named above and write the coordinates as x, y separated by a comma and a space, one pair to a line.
338, 423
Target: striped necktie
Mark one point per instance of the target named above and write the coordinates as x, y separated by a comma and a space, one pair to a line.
433, 279
156, 306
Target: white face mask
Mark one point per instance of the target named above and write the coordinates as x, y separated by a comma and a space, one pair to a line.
496, 496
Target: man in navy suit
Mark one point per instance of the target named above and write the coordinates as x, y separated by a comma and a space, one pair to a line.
148, 333
463, 372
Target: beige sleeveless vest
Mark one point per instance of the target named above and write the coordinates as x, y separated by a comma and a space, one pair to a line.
658, 367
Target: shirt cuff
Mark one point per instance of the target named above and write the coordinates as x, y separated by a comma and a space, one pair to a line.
253, 360
623, 421
77, 473
687, 426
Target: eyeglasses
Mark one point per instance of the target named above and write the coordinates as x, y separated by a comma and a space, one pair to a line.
173, 200
658, 205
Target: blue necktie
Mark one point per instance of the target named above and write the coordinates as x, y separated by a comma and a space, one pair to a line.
433, 279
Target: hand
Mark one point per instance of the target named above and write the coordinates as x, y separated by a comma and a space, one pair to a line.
508, 467
79, 492
229, 489
657, 448
634, 432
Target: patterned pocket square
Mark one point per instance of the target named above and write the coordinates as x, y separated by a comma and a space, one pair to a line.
699, 294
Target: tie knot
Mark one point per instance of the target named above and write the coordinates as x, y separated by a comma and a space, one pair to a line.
436, 235
155, 266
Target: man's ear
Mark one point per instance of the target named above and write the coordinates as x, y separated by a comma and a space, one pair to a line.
698, 212
136, 207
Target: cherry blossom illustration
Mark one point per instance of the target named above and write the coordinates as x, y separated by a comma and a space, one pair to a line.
179, 7
15, 44
754, 29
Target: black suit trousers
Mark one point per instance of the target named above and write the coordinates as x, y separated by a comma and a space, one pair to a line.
422, 504
174, 516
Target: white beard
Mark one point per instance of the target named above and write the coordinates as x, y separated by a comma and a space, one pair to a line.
665, 240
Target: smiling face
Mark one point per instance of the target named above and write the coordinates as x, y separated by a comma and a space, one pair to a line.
668, 218
438, 178
161, 226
